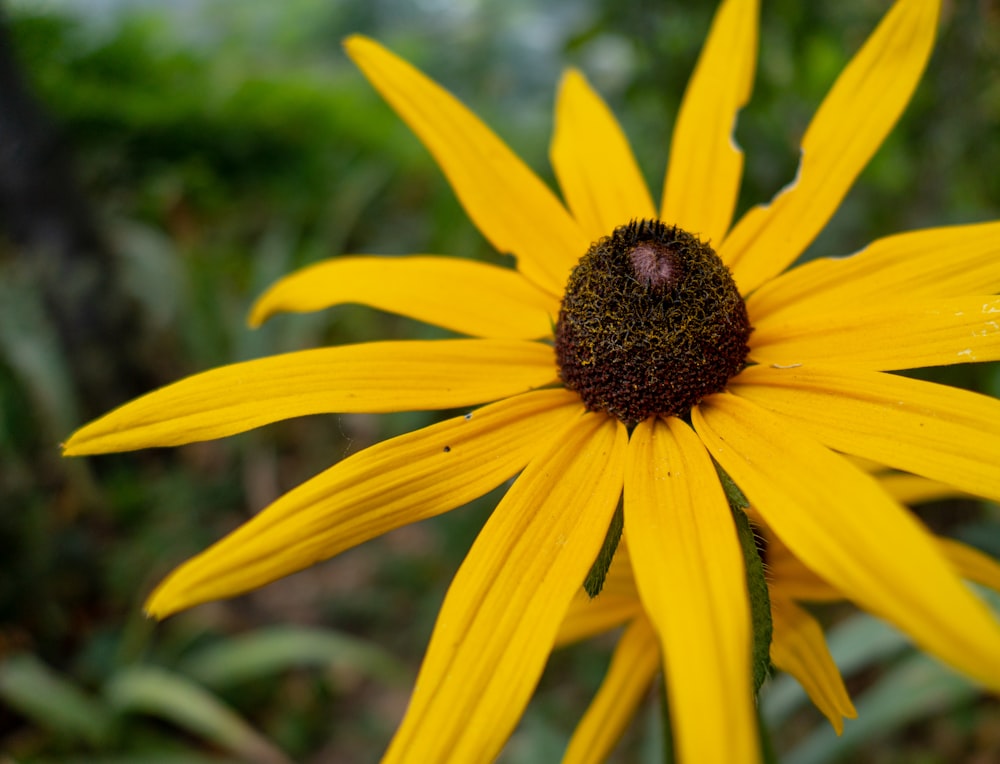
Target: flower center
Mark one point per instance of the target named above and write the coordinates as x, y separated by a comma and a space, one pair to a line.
651, 323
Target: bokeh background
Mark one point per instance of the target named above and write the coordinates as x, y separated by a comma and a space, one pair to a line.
162, 162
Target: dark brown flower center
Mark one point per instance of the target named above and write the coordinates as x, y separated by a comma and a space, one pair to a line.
651, 323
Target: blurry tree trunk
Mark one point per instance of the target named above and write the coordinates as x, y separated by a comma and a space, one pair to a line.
51, 225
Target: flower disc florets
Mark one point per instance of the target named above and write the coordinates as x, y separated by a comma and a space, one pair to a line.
651, 323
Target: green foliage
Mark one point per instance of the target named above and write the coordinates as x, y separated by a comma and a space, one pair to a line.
160, 693
594, 582
187, 700
760, 601
270, 650
54, 702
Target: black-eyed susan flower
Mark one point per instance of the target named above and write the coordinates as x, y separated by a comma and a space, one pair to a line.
634, 349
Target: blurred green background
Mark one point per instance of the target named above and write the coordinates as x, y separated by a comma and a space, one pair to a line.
218, 145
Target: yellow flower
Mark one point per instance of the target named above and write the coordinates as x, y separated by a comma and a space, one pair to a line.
814, 386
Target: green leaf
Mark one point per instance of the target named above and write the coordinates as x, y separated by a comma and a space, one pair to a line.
269, 651
735, 497
760, 600
602, 564
174, 698
36, 691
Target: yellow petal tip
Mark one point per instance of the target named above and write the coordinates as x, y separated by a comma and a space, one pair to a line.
162, 603
154, 615
837, 719
355, 41
73, 447
258, 314
90, 439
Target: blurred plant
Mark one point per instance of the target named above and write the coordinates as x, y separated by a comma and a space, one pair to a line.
190, 698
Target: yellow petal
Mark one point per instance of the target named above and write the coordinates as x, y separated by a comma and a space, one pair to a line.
789, 578
512, 207
972, 564
467, 297
690, 574
798, 648
617, 603
371, 377
845, 527
504, 607
849, 126
903, 334
703, 175
590, 154
914, 489
390, 484
936, 263
941, 432
633, 668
